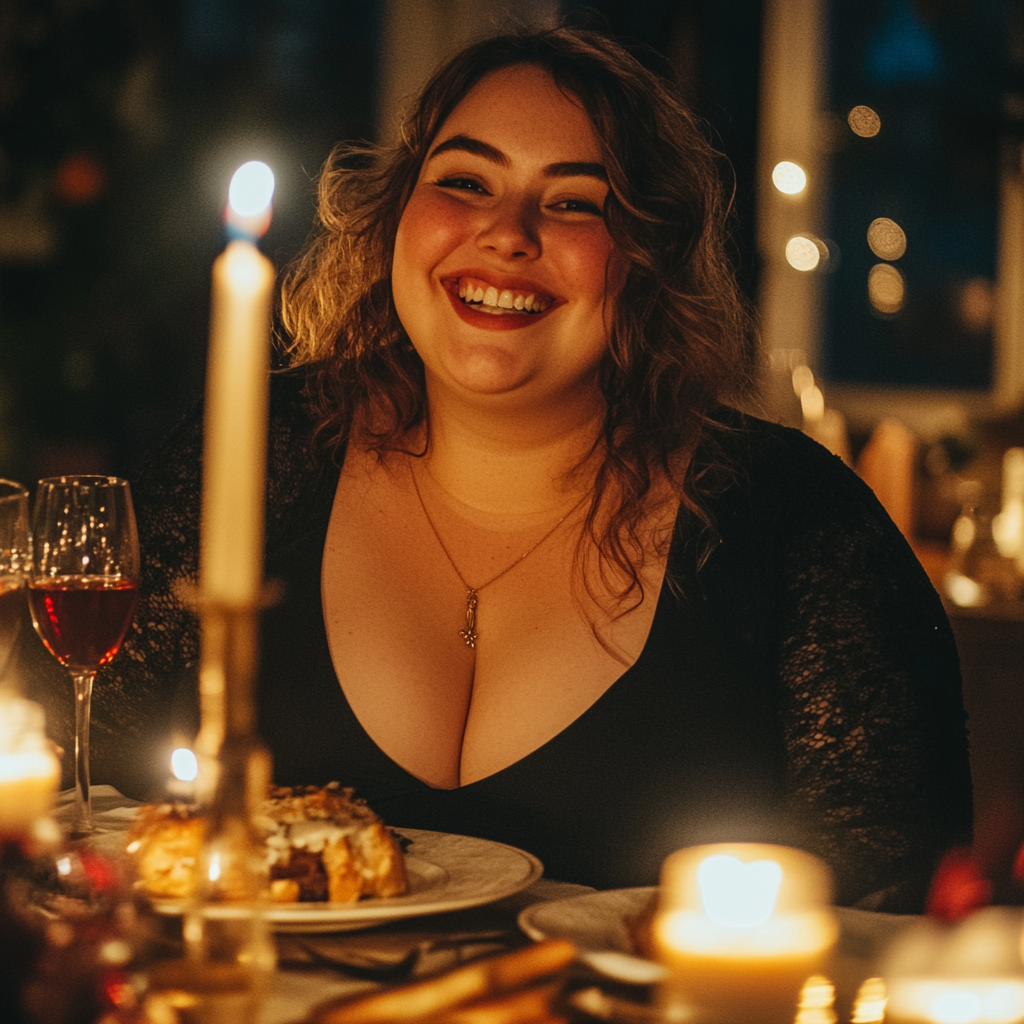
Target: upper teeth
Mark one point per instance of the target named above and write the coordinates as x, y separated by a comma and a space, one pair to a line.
488, 295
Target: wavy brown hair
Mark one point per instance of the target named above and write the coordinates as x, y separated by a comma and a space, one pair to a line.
681, 341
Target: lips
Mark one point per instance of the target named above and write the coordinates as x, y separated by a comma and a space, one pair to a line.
502, 302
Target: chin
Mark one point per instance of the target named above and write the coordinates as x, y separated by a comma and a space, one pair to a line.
486, 375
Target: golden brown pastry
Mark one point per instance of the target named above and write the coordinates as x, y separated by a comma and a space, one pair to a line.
322, 844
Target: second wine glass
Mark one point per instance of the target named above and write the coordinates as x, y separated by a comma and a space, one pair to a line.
13, 567
83, 587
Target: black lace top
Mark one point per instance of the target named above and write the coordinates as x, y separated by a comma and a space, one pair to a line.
799, 685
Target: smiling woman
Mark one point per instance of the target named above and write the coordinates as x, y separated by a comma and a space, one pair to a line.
543, 584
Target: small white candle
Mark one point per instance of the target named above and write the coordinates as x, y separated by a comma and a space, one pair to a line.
29, 771
740, 928
234, 453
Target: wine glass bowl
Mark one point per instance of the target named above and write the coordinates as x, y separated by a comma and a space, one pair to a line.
82, 589
14, 561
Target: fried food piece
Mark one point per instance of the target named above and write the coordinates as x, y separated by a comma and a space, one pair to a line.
166, 842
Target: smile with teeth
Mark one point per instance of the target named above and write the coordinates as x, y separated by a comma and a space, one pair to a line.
488, 299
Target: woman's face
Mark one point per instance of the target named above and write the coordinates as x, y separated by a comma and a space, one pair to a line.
503, 261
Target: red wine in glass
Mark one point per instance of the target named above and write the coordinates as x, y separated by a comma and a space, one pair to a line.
82, 619
83, 587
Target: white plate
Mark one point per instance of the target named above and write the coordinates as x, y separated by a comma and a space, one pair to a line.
597, 923
446, 873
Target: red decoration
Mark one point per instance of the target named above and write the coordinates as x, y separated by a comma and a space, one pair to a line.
958, 888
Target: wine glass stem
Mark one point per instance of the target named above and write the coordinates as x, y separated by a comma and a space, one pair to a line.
83, 704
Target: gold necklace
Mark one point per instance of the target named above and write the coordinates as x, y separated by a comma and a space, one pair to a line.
469, 634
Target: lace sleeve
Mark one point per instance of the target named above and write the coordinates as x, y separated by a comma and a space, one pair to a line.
871, 705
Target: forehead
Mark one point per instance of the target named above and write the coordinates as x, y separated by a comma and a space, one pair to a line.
521, 111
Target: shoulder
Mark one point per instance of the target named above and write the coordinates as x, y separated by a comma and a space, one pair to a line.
779, 472
300, 474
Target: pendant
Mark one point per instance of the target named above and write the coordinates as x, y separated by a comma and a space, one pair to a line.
469, 634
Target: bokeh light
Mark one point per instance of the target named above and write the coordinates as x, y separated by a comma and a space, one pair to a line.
184, 765
80, 179
977, 305
886, 239
863, 121
252, 188
789, 177
812, 403
803, 378
886, 288
802, 253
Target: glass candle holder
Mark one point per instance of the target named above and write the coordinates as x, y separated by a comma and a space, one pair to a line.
965, 973
740, 928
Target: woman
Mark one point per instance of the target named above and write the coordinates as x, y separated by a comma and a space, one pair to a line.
543, 585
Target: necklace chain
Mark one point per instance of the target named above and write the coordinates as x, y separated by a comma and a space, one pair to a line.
469, 634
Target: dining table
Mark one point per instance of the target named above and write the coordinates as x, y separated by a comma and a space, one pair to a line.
318, 969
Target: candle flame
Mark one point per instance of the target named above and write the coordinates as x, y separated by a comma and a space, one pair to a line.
214, 872
251, 189
738, 895
249, 195
31, 764
184, 765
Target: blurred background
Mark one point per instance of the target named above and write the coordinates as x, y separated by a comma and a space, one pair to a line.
876, 153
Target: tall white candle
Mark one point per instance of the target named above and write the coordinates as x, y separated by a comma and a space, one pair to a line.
234, 453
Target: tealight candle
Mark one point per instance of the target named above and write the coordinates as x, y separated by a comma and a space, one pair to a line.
969, 973
29, 771
740, 928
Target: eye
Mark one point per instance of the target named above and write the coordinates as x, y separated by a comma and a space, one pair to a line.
578, 206
461, 184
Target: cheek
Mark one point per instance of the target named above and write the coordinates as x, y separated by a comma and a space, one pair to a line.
428, 231
589, 261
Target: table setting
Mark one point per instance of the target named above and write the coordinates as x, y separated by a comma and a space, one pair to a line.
330, 961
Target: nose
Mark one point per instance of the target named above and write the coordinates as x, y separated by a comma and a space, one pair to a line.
510, 230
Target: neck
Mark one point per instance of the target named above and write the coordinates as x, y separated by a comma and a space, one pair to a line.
501, 456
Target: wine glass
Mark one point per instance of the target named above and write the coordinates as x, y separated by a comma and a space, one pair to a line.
82, 590
13, 566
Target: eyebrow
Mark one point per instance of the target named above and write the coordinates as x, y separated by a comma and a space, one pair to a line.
566, 169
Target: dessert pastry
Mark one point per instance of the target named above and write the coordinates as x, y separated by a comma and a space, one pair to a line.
322, 844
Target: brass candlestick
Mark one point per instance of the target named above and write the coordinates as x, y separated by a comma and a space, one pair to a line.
229, 953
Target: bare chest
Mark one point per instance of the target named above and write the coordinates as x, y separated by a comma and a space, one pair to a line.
394, 591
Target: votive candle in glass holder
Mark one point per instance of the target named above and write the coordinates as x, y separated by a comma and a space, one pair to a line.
740, 927
29, 770
965, 973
